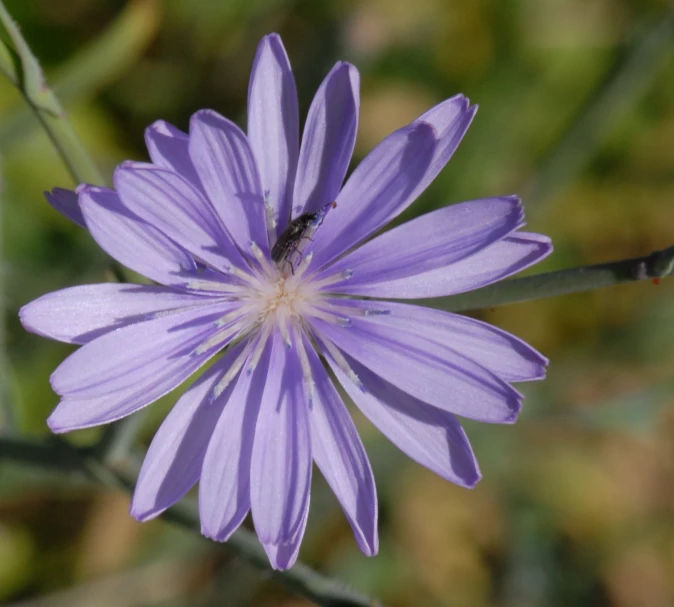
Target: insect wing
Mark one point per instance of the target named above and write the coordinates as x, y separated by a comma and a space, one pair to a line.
288, 240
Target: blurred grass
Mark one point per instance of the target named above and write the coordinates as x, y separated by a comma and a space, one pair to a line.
576, 506
93, 67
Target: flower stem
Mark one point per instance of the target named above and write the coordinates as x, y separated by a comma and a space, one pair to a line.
115, 49
19, 64
94, 67
78, 464
657, 265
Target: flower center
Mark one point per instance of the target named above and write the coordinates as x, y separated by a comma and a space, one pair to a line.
285, 300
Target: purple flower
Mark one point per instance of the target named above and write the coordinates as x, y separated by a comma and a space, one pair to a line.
258, 265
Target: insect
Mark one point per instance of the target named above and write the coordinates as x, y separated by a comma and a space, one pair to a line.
290, 244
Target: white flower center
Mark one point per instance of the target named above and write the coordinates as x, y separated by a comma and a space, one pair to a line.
285, 299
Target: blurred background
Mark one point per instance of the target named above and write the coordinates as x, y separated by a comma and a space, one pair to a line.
576, 115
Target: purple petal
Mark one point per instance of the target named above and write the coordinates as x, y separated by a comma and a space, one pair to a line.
169, 149
430, 436
340, 456
172, 205
65, 202
328, 140
173, 462
426, 370
224, 489
124, 370
431, 241
79, 314
281, 463
132, 241
226, 166
378, 190
498, 261
283, 556
451, 120
273, 124
498, 351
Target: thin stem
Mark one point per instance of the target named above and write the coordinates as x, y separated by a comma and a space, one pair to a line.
51, 455
8, 409
657, 265
58, 456
19, 64
94, 67
301, 579
118, 438
130, 32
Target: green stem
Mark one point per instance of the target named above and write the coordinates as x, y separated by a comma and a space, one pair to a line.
118, 438
68, 145
657, 265
19, 64
106, 57
78, 464
94, 67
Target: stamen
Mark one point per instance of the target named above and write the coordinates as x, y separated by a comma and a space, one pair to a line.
376, 312
265, 264
331, 280
229, 270
271, 221
232, 371
229, 317
309, 383
304, 264
245, 277
259, 348
341, 362
165, 313
285, 332
221, 338
217, 287
342, 321
353, 310
245, 282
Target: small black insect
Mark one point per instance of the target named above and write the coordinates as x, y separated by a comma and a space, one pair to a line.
300, 230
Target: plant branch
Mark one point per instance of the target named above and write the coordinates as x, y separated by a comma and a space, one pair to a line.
58, 456
659, 264
103, 60
19, 64
92, 68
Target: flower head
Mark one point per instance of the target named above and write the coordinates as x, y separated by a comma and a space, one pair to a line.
257, 249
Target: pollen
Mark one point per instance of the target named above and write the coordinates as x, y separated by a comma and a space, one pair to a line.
285, 301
